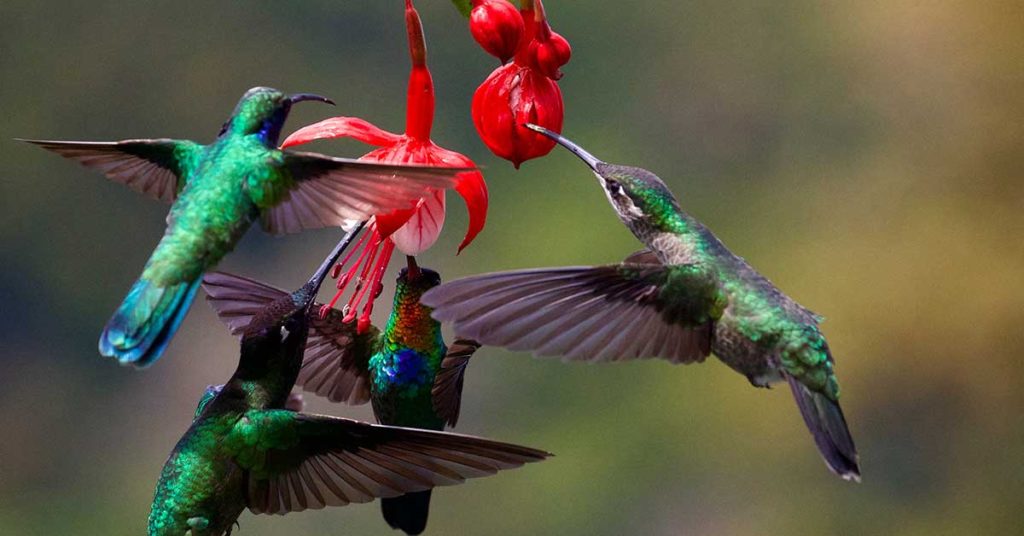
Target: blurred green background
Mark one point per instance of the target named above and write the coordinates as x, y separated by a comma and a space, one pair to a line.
866, 156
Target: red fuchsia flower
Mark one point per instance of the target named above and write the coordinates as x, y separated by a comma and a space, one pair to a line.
551, 53
497, 26
411, 231
524, 91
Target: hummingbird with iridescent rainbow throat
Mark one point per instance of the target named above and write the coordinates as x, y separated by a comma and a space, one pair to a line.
246, 449
682, 298
217, 191
406, 371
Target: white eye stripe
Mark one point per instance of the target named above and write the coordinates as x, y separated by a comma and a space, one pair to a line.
284, 333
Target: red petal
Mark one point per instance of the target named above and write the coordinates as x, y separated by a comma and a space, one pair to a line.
473, 189
390, 222
342, 127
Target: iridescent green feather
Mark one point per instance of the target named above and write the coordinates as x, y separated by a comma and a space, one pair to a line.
403, 370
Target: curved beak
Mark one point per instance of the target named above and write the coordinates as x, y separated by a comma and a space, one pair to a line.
311, 288
299, 97
590, 159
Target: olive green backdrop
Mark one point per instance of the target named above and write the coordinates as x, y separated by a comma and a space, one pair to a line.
866, 156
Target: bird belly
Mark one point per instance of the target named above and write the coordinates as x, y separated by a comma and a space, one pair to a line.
748, 357
198, 491
401, 386
203, 226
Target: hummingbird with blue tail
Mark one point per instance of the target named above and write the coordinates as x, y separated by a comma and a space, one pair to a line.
247, 447
682, 298
405, 370
217, 191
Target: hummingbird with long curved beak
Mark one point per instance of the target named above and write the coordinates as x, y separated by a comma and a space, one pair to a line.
682, 298
405, 370
217, 191
247, 447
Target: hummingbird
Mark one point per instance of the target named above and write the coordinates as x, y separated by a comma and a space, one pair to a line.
246, 449
406, 371
216, 191
683, 297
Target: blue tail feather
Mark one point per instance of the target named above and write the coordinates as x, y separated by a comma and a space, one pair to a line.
146, 321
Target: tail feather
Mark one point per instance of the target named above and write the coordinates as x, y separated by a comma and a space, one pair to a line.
146, 321
407, 512
825, 420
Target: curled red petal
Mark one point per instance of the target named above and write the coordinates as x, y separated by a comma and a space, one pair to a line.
342, 127
470, 186
473, 189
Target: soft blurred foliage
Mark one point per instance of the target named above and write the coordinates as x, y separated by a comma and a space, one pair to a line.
866, 156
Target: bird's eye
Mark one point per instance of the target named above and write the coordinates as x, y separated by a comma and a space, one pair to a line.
613, 187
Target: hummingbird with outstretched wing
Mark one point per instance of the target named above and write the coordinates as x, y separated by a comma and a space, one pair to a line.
217, 191
248, 447
405, 370
682, 298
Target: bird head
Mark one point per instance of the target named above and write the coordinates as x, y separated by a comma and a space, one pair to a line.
280, 328
417, 279
639, 197
262, 112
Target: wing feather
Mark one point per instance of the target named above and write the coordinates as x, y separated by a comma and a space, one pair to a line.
336, 357
156, 168
602, 313
447, 390
331, 191
312, 461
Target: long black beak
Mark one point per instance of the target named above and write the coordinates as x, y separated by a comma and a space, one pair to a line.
299, 97
313, 286
590, 159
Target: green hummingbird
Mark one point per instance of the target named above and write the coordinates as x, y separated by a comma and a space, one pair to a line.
246, 449
682, 298
217, 191
408, 373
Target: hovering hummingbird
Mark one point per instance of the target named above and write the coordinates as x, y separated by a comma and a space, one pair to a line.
217, 191
246, 449
683, 297
406, 371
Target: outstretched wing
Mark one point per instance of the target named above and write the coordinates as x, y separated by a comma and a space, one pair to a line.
332, 192
336, 358
156, 168
591, 313
447, 390
237, 299
297, 461
336, 362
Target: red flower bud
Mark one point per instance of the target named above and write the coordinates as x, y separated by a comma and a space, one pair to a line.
511, 96
497, 26
550, 54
